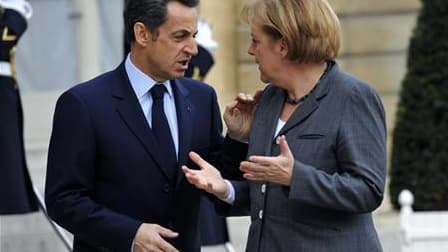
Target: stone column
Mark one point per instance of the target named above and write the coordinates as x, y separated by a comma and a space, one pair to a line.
87, 38
222, 16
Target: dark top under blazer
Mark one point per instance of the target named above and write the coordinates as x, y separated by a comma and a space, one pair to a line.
338, 139
105, 172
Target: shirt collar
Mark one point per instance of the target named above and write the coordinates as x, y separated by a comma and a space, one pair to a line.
140, 82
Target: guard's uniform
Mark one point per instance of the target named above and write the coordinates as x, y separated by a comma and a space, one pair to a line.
200, 64
16, 193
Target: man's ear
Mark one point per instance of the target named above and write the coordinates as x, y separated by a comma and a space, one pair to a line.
141, 33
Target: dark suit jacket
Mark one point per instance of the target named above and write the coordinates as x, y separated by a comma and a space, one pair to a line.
105, 173
338, 139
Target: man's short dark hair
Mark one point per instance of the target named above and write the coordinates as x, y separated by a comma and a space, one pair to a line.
150, 12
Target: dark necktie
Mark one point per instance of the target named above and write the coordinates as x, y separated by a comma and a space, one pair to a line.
162, 132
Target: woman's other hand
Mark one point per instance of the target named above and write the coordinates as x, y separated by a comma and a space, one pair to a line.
239, 114
273, 169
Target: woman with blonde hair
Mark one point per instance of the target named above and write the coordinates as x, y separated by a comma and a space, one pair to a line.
316, 162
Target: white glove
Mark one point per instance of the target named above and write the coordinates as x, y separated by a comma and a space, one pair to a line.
205, 37
21, 6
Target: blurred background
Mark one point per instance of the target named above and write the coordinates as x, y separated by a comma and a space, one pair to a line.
69, 41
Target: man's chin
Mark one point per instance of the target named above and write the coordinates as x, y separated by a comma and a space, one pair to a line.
176, 75
179, 74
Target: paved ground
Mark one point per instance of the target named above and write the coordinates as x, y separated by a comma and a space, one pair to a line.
386, 223
31, 233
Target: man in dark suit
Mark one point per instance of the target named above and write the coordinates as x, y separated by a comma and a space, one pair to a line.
119, 140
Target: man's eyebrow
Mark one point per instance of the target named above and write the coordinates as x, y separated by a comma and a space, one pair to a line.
185, 32
182, 31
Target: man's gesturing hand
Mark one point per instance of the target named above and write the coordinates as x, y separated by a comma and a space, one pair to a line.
150, 238
208, 178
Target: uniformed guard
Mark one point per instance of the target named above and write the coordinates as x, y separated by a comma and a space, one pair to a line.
16, 191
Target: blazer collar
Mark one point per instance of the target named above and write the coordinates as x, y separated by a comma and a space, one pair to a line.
312, 102
324, 84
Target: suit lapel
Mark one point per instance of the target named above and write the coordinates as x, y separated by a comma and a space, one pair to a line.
130, 111
184, 109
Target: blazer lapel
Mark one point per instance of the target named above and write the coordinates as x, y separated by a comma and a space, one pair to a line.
312, 102
130, 111
184, 110
300, 114
267, 122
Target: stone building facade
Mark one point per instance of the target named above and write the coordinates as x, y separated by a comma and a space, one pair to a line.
375, 39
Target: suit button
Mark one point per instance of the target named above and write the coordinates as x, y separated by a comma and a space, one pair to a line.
260, 214
166, 188
263, 188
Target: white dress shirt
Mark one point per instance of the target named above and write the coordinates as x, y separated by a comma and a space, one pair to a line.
142, 84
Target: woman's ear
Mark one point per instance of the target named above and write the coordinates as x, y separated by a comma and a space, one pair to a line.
283, 47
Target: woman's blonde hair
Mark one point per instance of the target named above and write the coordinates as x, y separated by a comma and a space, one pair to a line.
310, 28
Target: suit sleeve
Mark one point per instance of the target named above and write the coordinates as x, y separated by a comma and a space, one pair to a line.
70, 181
358, 186
241, 205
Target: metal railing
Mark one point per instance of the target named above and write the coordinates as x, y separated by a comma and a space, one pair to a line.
58, 230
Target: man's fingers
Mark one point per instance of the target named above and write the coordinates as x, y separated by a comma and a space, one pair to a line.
165, 246
198, 160
195, 180
198, 181
165, 232
186, 169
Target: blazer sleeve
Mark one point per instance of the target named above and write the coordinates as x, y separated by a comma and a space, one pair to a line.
70, 180
358, 184
227, 159
226, 153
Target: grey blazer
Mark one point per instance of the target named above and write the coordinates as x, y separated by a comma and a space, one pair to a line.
338, 138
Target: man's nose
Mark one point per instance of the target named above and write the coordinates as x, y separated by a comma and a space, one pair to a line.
192, 48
